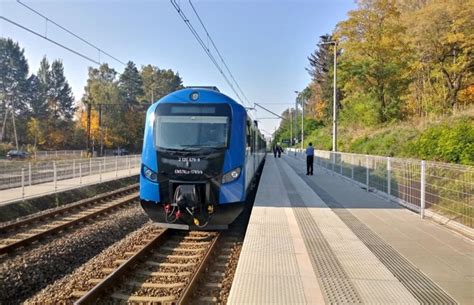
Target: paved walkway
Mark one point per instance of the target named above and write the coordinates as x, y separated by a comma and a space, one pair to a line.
16, 194
319, 239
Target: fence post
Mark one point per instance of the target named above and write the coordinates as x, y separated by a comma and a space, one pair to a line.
73, 168
129, 166
340, 169
352, 166
100, 171
29, 173
116, 166
90, 166
22, 183
389, 178
422, 187
333, 160
55, 177
80, 173
367, 171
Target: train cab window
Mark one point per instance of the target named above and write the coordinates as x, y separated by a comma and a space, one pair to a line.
182, 127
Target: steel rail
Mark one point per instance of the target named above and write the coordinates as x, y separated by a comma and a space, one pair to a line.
188, 292
93, 294
35, 237
69, 207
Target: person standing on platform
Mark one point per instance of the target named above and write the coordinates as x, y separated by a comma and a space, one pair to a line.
275, 150
309, 159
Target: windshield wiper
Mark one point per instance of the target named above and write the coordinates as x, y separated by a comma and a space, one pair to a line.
204, 147
177, 149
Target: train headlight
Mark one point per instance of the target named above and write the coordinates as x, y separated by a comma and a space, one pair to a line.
149, 174
232, 175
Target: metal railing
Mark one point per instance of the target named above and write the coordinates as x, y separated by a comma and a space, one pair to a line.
44, 154
23, 174
439, 190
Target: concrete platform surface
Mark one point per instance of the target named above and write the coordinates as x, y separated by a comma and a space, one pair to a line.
28, 192
319, 239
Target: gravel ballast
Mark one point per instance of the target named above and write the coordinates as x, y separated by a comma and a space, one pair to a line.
62, 290
24, 274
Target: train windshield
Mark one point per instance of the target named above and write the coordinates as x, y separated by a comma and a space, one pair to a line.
191, 127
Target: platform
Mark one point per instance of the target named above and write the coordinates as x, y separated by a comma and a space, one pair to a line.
36, 190
319, 239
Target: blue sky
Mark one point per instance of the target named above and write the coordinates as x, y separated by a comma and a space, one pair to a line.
265, 43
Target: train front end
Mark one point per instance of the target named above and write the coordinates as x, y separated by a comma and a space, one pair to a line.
192, 161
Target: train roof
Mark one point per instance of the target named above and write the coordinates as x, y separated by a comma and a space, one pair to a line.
198, 95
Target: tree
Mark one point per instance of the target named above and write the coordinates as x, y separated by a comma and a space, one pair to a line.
60, 98
13, 84
321, 70
442, 33
157, 82
101, 86
53, 103
35, 132
36, 98
130, 85
102, 89
375, 58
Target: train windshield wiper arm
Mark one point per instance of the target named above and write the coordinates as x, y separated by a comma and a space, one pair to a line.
176, 149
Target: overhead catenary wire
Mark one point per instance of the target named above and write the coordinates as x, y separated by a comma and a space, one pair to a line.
217, 50
71, 33
266, 109
50, 40
204, 47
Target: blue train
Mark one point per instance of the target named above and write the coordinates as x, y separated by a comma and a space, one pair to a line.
201, 151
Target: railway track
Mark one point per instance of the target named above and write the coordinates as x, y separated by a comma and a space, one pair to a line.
163, 269
170, 267
27, 231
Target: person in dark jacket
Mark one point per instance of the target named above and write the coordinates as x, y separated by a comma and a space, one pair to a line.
309, 159
275, 150
279, 150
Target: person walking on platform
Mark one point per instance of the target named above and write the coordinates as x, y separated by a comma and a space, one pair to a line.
309, 159
279, 150
275, 150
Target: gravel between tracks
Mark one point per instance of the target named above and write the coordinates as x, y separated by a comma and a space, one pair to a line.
60, 291
26, 273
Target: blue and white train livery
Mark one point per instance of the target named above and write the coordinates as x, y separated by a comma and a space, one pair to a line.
201, 151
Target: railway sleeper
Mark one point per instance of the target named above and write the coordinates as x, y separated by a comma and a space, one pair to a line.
155, 285
183, 250
135, 298
161, 255
176, 265
207, 300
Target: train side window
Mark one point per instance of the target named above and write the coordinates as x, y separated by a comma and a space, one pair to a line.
249, 133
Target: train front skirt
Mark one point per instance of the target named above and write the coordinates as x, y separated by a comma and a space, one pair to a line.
223, 215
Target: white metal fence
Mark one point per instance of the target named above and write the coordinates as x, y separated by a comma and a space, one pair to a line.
22, 174
439, 190
44, 154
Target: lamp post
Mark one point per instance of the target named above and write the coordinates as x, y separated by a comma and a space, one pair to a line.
302, 123
302, 118
334, 105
